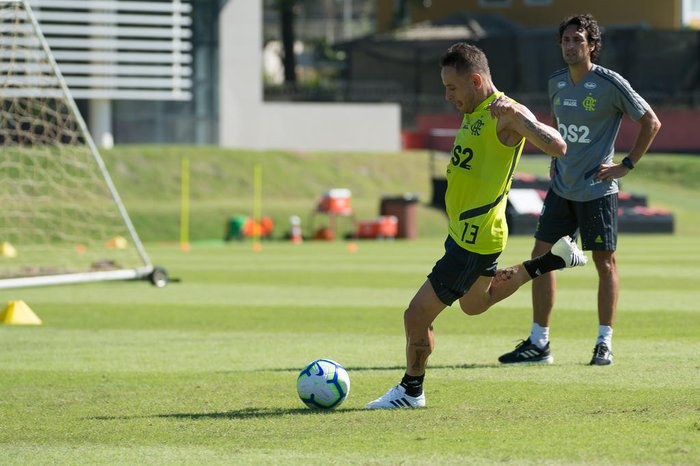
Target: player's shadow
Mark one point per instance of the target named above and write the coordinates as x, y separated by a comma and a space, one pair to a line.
430, 367
249, 413
245, 413
386, 368
252, 413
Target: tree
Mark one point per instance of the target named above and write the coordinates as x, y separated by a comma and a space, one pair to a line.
286, 9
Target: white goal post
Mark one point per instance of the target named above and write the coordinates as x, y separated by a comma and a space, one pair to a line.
61, 218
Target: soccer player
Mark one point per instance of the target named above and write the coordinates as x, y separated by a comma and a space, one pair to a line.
484, 156
588, 103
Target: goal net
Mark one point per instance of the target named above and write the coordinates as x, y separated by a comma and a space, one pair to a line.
61, 218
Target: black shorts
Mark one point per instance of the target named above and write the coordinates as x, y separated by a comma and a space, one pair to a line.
595, 220
458, 269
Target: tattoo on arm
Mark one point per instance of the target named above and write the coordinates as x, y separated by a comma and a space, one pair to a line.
539, 132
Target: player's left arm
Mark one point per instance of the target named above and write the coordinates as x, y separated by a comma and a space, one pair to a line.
516, 121
649, 125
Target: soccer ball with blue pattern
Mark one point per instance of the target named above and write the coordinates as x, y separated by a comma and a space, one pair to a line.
323, 384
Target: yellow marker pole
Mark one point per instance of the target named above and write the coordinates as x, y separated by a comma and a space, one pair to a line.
185, 204
257, 205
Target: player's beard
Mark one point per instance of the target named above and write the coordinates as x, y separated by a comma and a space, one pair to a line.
573, 59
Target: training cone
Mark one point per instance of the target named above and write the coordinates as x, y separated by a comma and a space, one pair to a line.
118, 242
7, 250
18, 313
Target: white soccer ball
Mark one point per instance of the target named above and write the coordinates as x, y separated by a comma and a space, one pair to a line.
323, 384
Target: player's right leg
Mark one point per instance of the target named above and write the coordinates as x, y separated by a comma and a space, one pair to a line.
452, 276
420, 341
543, 292
535, 349
557, 220
564, 254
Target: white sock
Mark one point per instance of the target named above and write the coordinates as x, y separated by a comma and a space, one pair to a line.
605, 335
539, 335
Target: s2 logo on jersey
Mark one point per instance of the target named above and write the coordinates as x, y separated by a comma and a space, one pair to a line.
461, 157
573, 133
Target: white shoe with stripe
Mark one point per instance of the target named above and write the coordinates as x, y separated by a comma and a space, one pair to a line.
567, 249
397, 398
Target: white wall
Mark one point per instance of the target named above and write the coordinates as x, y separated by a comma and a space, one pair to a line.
106, 35
247, 122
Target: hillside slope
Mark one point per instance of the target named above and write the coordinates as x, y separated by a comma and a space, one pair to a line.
221, 186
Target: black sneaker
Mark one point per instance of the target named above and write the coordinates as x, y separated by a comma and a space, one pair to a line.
528, 353
602, 356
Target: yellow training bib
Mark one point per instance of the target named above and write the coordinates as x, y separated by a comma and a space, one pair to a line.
479, 175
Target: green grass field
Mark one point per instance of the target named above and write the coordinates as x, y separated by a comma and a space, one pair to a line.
203, 371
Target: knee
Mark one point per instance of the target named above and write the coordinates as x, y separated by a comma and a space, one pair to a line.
605, 263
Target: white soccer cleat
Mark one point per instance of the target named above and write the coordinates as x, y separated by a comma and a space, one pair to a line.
567, 249
397, 398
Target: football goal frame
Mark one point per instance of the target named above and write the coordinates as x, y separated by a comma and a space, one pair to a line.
18, 85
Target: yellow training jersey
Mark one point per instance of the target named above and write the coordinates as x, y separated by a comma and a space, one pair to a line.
478, 179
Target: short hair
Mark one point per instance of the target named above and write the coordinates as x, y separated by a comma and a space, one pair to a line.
586, 23
466, 58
